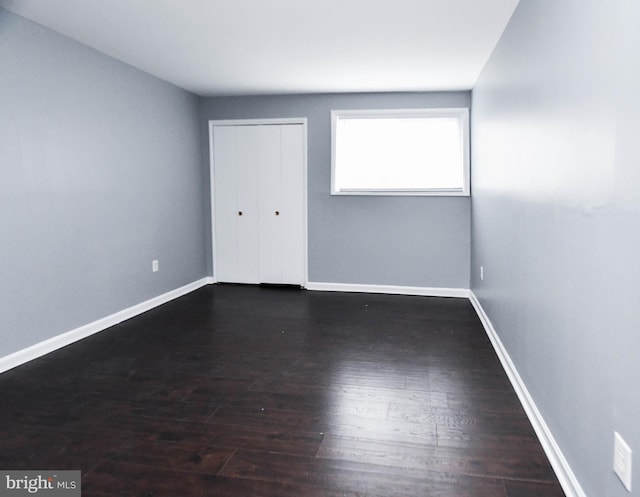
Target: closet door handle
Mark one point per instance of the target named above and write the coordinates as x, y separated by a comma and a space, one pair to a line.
277, 213
239, 213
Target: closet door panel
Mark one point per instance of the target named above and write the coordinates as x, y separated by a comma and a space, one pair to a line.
247, 188
271, 233
236, 203
292, 203
224, 186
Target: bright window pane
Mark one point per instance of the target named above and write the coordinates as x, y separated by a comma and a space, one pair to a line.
416, 152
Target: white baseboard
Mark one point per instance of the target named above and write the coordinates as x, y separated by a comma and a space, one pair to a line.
563, 471
389, 289
39, 349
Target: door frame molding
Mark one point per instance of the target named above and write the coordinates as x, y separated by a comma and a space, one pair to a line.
258, 122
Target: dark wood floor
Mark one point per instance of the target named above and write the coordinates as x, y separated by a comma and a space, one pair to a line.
247, 391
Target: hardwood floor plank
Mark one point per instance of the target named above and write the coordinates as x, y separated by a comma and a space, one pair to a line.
351, 392
353, 377
268, 419
362, 478
320, 421
184, 456
289, 402
39, 447
470, 421
481, 462
532, 489
111, 479
275, 439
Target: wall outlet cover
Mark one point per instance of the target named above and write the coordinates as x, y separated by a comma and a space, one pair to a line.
622, 460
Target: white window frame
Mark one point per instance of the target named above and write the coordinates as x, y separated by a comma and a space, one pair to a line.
459, 113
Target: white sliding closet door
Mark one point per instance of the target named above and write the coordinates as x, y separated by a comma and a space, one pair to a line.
259, 203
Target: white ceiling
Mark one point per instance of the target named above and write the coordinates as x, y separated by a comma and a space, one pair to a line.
241, 47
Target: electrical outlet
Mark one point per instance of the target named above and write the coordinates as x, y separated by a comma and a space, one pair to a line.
482, 273
155, 266
622, 460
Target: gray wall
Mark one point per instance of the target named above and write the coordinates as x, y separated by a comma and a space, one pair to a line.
556, 217
416, 241
101, 172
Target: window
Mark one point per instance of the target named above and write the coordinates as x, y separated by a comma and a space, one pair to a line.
400, 152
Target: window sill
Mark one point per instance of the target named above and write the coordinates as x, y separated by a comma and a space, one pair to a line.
404, 192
